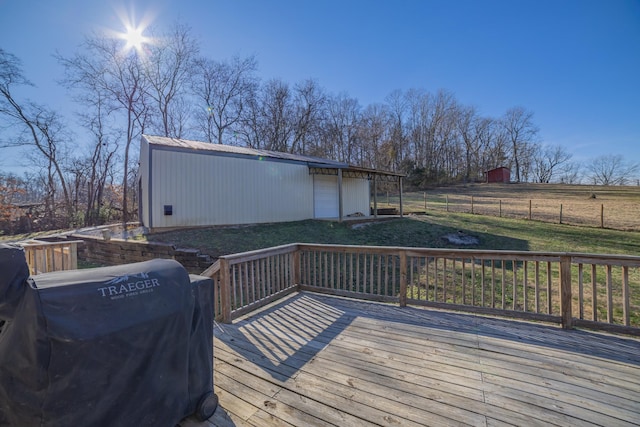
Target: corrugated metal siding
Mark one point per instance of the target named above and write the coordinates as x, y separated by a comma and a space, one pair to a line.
355, 196
143, 174
213, 190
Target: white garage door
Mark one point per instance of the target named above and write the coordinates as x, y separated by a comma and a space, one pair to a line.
325, 196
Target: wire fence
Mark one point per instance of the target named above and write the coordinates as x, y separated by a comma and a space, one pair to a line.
619, 215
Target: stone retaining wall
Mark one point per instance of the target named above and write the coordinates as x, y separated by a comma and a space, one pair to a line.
117, 251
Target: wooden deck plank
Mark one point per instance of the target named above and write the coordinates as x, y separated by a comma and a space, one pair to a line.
311, 399
320, 360
563, 395
263, 396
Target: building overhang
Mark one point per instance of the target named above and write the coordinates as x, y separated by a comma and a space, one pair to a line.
349, 171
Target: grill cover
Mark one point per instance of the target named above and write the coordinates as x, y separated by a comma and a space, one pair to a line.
113, 346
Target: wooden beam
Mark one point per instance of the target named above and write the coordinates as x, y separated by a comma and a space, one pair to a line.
400, 187
375, 196
340, 204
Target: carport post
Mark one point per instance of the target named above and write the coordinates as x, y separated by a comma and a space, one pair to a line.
400, 185
375, 196
340, 195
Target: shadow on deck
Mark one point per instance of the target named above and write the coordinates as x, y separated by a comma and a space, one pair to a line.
322, 360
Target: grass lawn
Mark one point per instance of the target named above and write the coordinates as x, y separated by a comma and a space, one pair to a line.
414, 231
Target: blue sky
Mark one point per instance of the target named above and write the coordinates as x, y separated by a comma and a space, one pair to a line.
574, 63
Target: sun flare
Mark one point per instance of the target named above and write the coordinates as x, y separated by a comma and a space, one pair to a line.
134, 38
133, 31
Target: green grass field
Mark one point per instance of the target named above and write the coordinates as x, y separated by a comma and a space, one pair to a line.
413, 231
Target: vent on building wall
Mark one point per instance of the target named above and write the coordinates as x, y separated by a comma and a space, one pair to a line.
168, 209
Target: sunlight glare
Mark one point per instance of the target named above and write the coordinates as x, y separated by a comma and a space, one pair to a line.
134, 38
133, 34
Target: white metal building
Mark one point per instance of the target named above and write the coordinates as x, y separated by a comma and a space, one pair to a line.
184, 183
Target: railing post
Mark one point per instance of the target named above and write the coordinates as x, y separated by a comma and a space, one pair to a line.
73, 262
565, 292
225, 291
403, 279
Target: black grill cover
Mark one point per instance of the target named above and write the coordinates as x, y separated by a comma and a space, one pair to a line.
128, 345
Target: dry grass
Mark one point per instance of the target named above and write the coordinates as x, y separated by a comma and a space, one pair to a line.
613, 207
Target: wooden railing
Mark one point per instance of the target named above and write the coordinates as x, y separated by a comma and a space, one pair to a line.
250, 280
44, 257
595, 291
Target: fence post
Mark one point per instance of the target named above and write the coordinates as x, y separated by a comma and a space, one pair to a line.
225, 290
602, 216
560, 213
472, 204
501, 208
402, 298
446, 202
565, 292
529, 209
425, 202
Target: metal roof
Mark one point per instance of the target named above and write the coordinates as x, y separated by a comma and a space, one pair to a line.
316, 163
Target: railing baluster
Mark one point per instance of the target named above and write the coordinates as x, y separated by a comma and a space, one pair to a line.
625, 295
464, 282
378, 280
549, 294
473, 281
351, 284
580, 291
482, 286
426, 279
358, 272
504, 284
387, 260
444, 280
514, 265
493, 283
330, 269
525, 285
537, 286
453, 279
609, 294
594, 293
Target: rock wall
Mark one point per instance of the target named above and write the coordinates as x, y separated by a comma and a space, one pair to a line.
117, 251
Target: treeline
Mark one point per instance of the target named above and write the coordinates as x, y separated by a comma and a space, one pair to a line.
166, 87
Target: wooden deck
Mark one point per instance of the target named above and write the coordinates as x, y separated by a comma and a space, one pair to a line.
319, 360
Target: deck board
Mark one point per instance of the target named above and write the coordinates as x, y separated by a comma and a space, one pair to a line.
316, 360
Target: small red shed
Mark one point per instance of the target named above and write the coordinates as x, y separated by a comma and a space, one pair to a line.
501, 174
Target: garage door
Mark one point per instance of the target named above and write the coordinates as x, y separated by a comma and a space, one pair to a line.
325, 196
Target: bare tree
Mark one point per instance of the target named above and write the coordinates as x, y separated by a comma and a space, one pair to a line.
225, 88
548, 162
468, 126
374, 128
571, 173
521, 131
611, 170
167, 66
276, 115
104, 66
341, 129
98, 165
38, 127
308, 108
397, 107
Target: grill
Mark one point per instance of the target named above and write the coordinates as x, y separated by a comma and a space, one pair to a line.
112, 346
